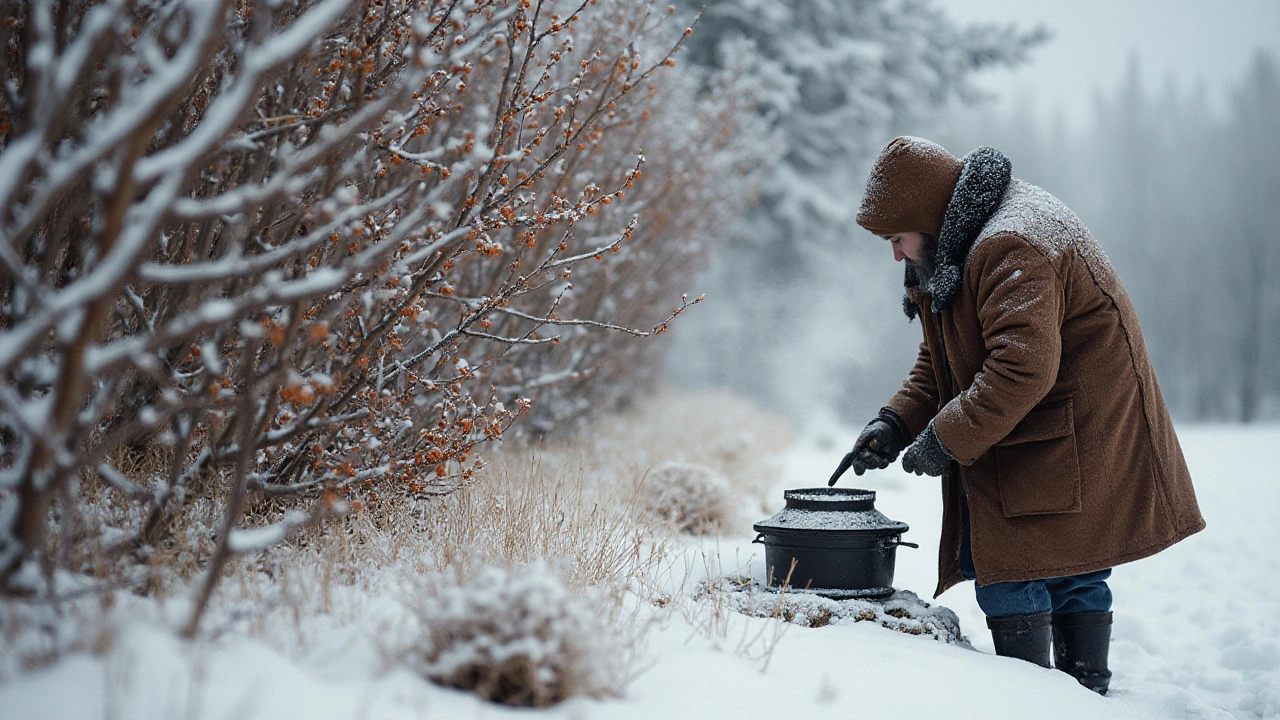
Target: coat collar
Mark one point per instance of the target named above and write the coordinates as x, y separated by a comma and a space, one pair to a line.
985, 175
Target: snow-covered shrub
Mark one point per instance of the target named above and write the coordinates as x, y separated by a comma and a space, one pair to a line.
519, 637
693, 498
319, 251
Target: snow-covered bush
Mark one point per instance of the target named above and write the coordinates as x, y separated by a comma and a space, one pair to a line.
312, 252
519, 637
693, 498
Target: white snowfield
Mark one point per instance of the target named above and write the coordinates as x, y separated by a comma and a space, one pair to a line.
1197, 635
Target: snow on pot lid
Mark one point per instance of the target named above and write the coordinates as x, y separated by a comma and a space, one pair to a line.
830, 509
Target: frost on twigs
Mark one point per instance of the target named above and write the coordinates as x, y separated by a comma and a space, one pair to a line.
693, 498
903, 611
310, 255
519, 637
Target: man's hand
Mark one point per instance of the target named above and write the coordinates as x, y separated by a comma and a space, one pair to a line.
878, 446
927, 455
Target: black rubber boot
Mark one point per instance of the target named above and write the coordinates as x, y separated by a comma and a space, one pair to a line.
1080, 645
1025, 637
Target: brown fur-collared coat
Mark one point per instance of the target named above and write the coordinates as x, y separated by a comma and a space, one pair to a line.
1034, 372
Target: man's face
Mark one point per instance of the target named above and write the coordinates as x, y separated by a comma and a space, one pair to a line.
907, 246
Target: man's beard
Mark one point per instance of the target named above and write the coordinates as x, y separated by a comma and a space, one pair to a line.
923, 270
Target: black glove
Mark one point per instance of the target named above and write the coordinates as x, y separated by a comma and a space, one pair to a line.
877, 447
927, 455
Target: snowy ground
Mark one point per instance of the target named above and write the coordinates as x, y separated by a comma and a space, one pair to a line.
1197, 635
1197, 627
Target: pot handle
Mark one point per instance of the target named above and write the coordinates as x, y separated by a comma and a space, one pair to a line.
759, 539
895, 541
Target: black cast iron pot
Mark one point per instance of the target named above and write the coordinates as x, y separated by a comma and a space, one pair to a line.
841, 545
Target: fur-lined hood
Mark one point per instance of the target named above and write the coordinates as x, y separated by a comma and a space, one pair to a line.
985, 175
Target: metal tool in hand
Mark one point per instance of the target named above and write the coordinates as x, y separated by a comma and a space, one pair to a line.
845, 464
871, 451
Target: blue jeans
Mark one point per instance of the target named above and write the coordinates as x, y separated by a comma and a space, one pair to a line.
1072, 594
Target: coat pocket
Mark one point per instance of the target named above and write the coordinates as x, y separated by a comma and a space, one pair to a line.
1037, 465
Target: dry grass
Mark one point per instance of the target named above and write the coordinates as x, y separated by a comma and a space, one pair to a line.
574, 506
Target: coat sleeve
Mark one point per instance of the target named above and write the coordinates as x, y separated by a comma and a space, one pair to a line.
1020, 308
917, 401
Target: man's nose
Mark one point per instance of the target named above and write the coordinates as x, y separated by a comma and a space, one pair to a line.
898, 255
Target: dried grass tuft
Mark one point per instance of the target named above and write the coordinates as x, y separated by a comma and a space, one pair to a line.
519, 637
692, 498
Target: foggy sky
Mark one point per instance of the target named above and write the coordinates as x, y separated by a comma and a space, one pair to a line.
1190, 41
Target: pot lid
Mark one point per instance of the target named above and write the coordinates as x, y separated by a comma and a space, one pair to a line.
830, 509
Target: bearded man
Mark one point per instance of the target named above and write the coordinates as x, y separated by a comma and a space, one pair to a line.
1033, 398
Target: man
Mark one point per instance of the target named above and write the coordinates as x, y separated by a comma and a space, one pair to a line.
1033, 398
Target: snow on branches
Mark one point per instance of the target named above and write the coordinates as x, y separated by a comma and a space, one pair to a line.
313, 251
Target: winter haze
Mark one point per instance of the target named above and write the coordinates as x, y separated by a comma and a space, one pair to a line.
1155, 121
